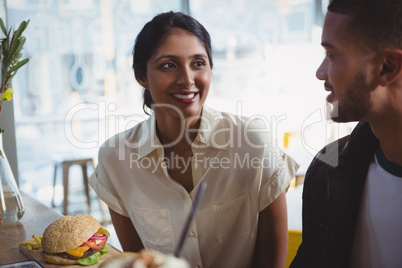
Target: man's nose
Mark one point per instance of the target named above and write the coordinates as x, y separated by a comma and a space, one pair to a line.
321, 72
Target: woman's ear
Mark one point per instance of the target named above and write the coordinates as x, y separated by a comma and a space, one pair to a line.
142, 81
391, 69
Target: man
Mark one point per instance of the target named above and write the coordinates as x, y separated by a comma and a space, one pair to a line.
352, 211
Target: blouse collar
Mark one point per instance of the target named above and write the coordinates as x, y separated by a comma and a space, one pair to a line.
211, 133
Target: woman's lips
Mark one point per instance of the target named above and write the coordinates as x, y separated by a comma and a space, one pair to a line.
185, 97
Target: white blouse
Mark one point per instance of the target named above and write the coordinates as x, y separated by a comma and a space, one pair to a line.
244, 169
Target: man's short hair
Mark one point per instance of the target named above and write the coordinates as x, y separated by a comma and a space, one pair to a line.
375, 24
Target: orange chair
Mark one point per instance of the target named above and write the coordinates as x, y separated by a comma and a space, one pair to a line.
294, 241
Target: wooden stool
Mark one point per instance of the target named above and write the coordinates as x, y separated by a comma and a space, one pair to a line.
65, 166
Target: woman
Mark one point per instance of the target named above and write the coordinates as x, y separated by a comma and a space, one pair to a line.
148, 174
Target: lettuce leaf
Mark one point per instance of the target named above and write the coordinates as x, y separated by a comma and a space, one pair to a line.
104, 250
93, 259
90, 260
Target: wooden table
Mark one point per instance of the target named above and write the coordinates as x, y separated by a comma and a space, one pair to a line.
36, 218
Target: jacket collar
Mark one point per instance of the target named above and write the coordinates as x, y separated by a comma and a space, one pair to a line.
360, 146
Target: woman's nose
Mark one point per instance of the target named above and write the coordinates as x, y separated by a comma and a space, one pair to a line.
186, 78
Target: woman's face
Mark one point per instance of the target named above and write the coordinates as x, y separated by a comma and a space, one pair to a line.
178, 76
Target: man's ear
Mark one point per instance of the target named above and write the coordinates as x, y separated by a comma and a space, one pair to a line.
142, 81
391, 67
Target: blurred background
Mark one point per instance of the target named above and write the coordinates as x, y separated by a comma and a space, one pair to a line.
78, 88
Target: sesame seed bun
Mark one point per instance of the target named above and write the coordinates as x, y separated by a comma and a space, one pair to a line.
68, 232
55, 259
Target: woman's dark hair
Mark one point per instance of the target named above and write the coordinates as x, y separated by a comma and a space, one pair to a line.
155, 32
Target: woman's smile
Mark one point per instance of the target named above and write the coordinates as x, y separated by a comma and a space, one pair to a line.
185, 97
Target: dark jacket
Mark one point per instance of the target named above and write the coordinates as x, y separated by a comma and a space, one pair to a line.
331, 199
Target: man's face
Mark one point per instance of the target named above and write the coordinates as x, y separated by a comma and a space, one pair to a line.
345, 70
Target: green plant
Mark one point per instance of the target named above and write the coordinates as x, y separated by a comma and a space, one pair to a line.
10, 53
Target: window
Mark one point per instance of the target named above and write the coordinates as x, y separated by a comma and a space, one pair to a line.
79, 89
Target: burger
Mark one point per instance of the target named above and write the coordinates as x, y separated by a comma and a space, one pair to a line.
74, 239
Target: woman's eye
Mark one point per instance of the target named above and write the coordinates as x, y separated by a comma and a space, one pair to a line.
199, 63
168, 65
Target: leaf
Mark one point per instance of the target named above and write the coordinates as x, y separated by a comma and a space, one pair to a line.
21, 43
93, 259
18, 65
22, 40
12, 52
11, 77
6, 45
9, 34
26, 24
3, 27
19, 31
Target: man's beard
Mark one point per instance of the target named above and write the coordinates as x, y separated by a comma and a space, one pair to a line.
356, 102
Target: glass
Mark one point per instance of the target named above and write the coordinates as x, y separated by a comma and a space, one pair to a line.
11, 206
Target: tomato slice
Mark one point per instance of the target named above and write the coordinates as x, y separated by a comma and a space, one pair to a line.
96, 244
